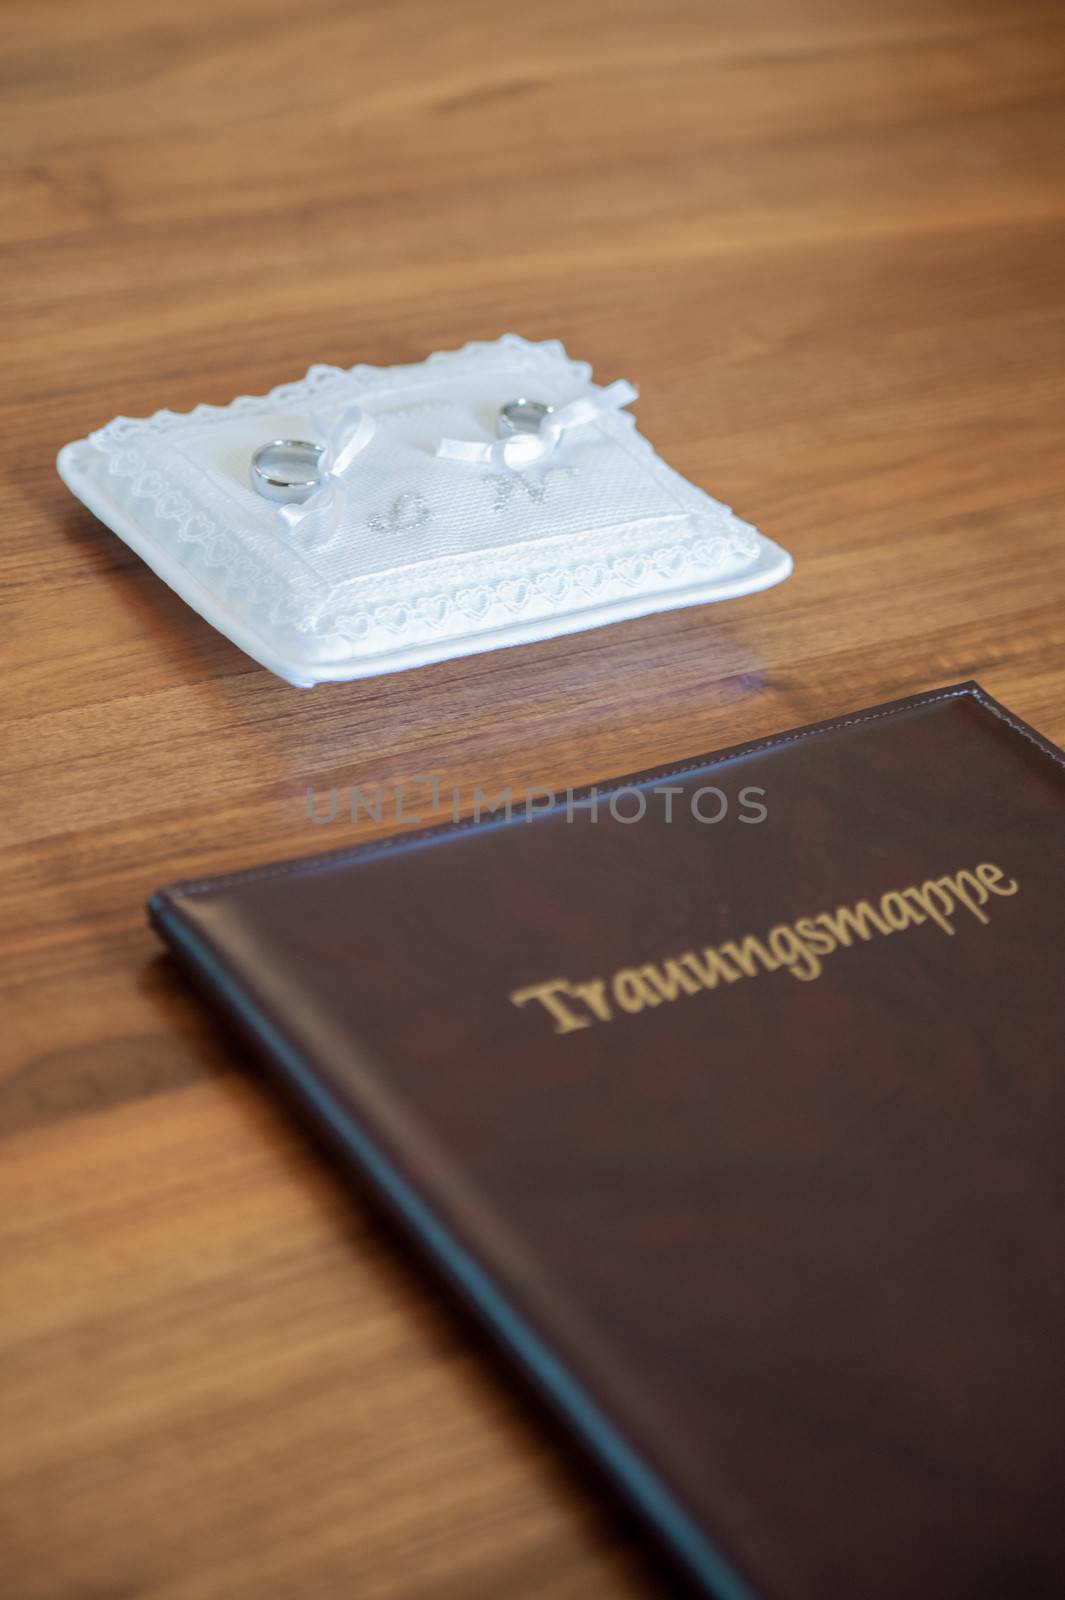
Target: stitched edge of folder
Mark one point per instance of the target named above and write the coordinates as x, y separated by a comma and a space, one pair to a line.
459, 1260
969, 690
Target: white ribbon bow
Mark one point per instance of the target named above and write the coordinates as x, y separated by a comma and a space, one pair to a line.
346, 437
524, 449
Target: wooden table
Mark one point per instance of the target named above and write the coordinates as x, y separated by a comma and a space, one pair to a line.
828, 241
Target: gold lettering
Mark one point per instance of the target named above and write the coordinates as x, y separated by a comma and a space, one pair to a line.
848, 920
923, 898
671, 980
593, 993
798, 946
989, 876
709, 966
632, 990
747, 953
893, 909
566, 1021
959, 891
816, 939
793, 953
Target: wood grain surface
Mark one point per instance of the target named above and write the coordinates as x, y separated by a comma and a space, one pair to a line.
828, 241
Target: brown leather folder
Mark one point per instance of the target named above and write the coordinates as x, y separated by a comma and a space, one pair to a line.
746, 1137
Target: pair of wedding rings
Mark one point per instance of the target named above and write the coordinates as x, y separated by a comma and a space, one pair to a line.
288, 471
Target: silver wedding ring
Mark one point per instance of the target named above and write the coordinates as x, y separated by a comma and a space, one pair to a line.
286, 470
522, 416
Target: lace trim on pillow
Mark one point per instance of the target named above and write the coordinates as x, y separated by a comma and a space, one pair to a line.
707, 552
545, 356
717, 537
